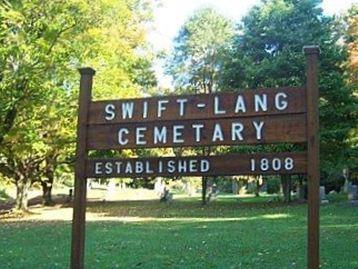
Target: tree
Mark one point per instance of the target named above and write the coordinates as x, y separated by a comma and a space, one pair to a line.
41, 46
351, 41
350, 21
35, 54
268, 53
199, 51
198, 56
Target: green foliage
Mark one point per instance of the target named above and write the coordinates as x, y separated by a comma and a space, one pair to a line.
199, 51
350, 21
273, 185
3, 195
41, 45
268, 53
35, 53
37, 112
116, 48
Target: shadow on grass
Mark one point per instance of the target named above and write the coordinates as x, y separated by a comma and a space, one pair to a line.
191, 210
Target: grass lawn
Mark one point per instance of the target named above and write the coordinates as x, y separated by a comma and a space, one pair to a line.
228, 233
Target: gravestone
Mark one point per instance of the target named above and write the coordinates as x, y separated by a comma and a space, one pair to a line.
111, 191
234, 186
322, 195
166, 196
353, 194
345, 186
213, 193
159, 186
190, 190
346, 180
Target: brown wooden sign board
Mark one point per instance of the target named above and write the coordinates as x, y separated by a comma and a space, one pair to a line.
263, 116
225, 165
246, 103
232, 131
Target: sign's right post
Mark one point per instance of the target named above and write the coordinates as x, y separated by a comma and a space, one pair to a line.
313, 175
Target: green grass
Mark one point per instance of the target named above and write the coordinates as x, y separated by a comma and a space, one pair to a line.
228, 233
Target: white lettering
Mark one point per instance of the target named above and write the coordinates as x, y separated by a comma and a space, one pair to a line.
98, 168
171, 167
145, 110
160, 135
127, 110
139, 168
128, 169
161, 107
178, 133
121, 133
260, 102
258, 126
110, 109
192, 165
118, 165
181, 103
240, 104
182, 166
279, 103
217, 109
140, 135
108, 168
204, 166
236, 131
147, 168
198, 128
218, 134
160, 165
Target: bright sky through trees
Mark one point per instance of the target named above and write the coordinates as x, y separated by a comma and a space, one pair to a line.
172, 14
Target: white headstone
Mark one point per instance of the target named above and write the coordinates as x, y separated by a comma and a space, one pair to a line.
111, 191
159, 186
352, 192
322, 195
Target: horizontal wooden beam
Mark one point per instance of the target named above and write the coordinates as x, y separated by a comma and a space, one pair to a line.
255, 130
278, 101
224, 165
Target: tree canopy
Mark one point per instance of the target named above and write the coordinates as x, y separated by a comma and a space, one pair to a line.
268, 53
199, 51
42, 45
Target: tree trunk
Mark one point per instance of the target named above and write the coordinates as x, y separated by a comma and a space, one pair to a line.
22, 190
301, 190
204, 185
257, 189
286, 187
46, 193
47, 183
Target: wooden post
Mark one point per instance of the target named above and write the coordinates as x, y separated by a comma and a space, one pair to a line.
79, 204
313, 175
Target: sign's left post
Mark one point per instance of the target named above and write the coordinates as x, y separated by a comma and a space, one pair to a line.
79, 203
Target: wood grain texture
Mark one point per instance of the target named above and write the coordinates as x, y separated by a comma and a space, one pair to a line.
313, 175
289, 128
295, 96
224, 165
79, 203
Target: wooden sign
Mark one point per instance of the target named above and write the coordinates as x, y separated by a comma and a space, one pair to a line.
231, 131
225, 165
259, 102
255, 117
246, 117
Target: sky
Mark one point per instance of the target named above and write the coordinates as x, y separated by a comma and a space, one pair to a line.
171, 15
